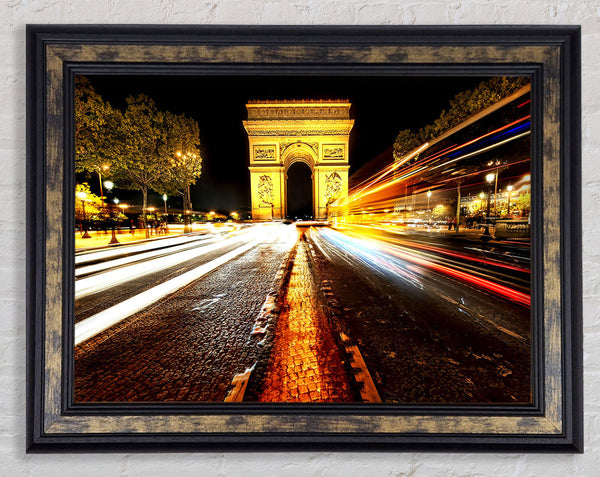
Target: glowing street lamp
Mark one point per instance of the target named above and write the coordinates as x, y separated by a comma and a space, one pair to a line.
489, 178
104, 167
165, 201
486, 233
509, 189
83, 197
113, 238
428, 197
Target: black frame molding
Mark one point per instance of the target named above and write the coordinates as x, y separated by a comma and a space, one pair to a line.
550, 55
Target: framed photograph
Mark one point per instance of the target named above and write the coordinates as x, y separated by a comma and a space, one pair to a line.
292, 238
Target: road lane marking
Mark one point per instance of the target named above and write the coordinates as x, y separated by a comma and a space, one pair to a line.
99, 322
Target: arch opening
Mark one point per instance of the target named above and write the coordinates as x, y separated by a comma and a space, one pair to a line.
299, 192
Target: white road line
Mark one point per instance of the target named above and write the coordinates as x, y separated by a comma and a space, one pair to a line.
110, 278
99, 322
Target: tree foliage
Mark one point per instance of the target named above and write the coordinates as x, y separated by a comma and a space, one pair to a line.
95, 122
524, 203
145, 148
93, 203
464, 105
183, 155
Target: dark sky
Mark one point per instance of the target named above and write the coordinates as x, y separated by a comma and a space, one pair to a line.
381, 106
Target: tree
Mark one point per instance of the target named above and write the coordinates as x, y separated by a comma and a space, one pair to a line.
87, 204
138, 150
524, 203
144, 148
464, 105
95, 122
185, 162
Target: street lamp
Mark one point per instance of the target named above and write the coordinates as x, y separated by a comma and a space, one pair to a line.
165, 201
113, 238
489, 178
486, 233
428, 197
83, 197
509, 189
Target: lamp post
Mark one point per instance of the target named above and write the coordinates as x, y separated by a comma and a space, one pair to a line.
489, 178
165, 201
113, 238
486, 233
509, 189
83, 196
428, 214
109, 187
103, 168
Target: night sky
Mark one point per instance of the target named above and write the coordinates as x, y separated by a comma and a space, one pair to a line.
381, 106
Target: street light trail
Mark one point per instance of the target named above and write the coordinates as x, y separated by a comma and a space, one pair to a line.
93, 256
139, 257
99, 322
442, 251
113, 277
381, 257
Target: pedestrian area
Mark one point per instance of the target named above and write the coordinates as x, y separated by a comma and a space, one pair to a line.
305, 365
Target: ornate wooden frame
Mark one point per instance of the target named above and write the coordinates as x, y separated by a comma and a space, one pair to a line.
549, 54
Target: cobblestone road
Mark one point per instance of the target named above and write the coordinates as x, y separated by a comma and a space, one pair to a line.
188, 346
420, 349
306, 365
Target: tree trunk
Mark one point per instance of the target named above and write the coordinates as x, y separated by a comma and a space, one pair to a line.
144, 207
186, 207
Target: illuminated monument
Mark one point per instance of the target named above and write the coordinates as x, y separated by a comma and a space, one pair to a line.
281, 133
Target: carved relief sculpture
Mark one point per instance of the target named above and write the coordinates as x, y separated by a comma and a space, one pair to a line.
333, 187
265, 191
333, 152
265, 153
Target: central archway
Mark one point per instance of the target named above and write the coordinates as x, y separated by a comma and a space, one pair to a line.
299, 192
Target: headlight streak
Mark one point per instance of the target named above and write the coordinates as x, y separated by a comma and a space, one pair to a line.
480, 151
390, 185
140, 257
442, 251
378, 255
254, 236
92, 256
113, 277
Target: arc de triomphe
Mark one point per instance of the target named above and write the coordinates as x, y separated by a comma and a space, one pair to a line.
281, 133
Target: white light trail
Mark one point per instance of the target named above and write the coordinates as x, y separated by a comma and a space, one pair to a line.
133, 258
479, 151
122, 249
99, 322
111, 278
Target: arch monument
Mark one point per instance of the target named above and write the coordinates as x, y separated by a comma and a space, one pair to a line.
281, 133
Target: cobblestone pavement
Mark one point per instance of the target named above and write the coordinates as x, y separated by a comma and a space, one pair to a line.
306, 365
188, 346
420, 348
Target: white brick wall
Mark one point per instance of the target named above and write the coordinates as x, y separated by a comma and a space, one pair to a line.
14, 14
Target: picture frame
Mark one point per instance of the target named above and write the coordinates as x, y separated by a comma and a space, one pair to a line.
550, 55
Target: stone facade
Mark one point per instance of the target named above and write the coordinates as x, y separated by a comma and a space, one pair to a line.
281, 133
